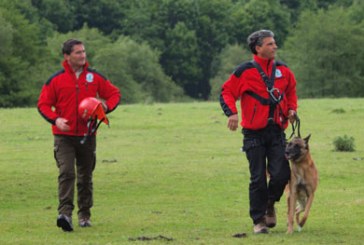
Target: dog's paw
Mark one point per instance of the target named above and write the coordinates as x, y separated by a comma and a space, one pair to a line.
299, 228
289, 230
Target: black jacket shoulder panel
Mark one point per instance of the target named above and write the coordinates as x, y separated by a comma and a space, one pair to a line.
242, 67
280, 63
53, 76
94, 71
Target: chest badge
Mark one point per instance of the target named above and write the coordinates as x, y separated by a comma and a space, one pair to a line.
278, 73
89, 77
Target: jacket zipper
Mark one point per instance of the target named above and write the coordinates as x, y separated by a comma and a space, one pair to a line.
77, 92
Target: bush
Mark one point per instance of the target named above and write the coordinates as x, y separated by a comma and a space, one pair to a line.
344, 143
338, 111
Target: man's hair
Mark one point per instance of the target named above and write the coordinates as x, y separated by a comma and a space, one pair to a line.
68, 45
256, 39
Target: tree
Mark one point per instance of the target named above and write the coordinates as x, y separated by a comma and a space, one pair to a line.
297, 6
214, 28
59, 12
180, 57
135, 69
21, 57
324, 54
186, 32
93, 39
224, 65
6, 38
261, 14
105, 15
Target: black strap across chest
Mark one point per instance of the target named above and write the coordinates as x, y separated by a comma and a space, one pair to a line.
274, 94
269, 81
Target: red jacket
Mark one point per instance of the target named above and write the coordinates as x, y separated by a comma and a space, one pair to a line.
62, 93
246, 78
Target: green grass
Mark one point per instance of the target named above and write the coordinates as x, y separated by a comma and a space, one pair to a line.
175, 170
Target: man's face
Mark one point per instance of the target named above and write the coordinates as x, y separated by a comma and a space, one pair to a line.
77, 58
268, 48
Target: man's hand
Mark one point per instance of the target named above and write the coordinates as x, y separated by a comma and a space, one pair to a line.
103, 103
62, 125
233, 122
291, 116
104, 106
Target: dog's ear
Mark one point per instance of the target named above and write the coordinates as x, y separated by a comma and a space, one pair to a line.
306, 140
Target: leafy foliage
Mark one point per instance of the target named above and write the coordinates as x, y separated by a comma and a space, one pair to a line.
187, 38
19, 60
322, 54
182, 48
257, 14
224, 65
139, 75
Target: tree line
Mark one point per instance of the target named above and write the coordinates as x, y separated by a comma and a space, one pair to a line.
177, 50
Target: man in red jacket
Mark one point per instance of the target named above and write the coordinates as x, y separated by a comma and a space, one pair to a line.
58, 104
267, 92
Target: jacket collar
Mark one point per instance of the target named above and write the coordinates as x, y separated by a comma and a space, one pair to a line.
266, 64
68, 68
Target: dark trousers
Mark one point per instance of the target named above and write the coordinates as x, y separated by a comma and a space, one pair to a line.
265, 152
75, 159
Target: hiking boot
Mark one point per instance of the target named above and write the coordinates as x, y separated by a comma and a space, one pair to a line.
260, 228
84, 222
65, 222
270, 216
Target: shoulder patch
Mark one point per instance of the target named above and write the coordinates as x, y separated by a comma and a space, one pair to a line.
53, 76
242, 67
94, 71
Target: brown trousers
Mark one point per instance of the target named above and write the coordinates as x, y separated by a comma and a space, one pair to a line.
75, 159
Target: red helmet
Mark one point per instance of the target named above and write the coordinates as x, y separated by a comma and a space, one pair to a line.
91, 107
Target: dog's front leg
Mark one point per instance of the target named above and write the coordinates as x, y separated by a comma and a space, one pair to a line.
307, 210
291, 208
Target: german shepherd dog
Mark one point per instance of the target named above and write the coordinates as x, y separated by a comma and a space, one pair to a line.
303, 182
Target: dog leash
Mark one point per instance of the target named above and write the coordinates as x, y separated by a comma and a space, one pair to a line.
296, 125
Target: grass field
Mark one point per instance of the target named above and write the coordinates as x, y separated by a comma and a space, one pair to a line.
175, 171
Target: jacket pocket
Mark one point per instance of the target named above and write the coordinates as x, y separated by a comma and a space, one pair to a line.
57, 149
255, 115
55, 152
254, 111
250, 143
251, 147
